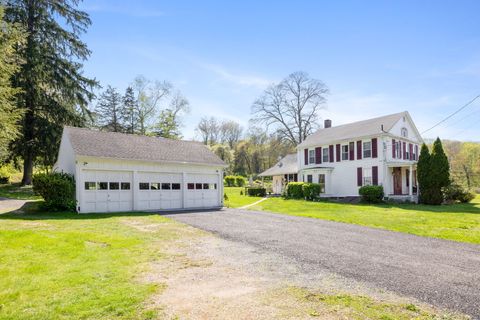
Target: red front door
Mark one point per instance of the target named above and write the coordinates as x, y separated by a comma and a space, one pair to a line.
397, 180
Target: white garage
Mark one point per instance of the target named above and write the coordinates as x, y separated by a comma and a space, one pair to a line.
117, 172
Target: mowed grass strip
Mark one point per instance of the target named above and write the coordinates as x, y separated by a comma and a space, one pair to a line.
69, 266
458, 222
236, 199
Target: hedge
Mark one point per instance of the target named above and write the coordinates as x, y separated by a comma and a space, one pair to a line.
311, 191
295, 190
234, 181
371, 194
257, 192
57, 189
455, 192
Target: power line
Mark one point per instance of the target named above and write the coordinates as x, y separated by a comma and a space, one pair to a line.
460, 109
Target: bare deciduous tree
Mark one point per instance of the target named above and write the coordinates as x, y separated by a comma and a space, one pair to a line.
291, 107
209, 130
230, 132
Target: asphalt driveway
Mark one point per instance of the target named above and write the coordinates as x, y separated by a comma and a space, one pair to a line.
440, 272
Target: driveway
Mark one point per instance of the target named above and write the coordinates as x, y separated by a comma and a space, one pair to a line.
440, 272
7, 205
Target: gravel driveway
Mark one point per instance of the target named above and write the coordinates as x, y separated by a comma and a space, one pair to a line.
439, 272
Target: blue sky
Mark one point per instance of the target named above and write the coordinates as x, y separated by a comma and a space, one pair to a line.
376, 57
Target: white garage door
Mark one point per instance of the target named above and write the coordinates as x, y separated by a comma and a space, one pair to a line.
202, 191
107, 191
158, 191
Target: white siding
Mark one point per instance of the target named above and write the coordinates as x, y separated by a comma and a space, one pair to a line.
66, 156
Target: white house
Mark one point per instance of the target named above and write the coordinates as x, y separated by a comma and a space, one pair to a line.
125, 172
380, 151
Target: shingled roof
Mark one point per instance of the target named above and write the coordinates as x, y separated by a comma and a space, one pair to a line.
87, 142
357, 129
286, 165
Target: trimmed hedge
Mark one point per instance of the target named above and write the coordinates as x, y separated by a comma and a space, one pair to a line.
256, 192
311, 191
57, 189
229, 181
371, 194
295, 190
234, 181
240, 181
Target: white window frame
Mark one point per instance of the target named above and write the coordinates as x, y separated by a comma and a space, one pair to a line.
309, 177
322, 184
404, 132
311, 156
345, 154
398, 150
367, 177
365, 150
325, 154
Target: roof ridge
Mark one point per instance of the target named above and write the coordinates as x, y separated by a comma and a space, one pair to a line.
370, 119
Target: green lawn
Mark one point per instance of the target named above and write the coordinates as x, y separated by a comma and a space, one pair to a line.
59, 266
236, 200
15, 191
459, 222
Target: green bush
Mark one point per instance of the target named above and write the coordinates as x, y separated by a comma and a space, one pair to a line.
311, 191
371, 194
257, 192
230, 181
295, 190
57, 189
240, 181
455, 192
5, 173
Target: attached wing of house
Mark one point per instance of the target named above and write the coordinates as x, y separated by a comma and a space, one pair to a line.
125, 172
379, 151
282, 172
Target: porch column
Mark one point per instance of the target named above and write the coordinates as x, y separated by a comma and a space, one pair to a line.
410, 181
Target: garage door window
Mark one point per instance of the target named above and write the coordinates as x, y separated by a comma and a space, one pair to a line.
125, 185
114, 186
154, 186
90, 186
166, 186
206, 186
198, 186
213, 186
102, 186
190, 186
144, 186
175, 186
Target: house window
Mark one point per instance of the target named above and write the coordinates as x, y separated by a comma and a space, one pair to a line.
166, 186
325, 154
404, 132
175, 186
367, 176
114, 186
309, 178
102, 185
345, 152
190, 186
90, 186
144, 186
311, 156
154, 186
367, 149
398, 149
321, 182
125, 185
407, 152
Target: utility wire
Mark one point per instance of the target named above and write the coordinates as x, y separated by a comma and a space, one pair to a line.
460, 109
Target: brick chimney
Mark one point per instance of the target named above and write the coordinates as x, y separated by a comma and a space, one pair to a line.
327, 123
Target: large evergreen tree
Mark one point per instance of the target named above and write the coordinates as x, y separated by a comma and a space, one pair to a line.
130, 111
54, 90
440, 171
423, 174
109, 110
11, 39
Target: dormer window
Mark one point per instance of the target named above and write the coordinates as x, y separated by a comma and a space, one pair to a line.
404, 132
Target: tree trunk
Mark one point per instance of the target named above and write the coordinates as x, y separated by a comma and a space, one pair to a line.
27, 169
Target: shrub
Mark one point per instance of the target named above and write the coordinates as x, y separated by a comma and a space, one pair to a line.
230, 181
240, 181
57, 189
5, 173
371, 194
257, 192
311, 191
294, 190
455, 192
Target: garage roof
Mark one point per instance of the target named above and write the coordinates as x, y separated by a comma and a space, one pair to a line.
94, 143
286, 165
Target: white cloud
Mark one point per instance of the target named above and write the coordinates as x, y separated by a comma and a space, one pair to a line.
238, 79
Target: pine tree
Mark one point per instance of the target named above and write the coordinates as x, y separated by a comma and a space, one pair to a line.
423, 174
110, 110
440, 172
130, 111
54, 90
11, 37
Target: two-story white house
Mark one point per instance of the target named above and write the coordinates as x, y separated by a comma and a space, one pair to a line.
380, 151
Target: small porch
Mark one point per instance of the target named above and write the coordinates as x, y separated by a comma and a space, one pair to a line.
401, 182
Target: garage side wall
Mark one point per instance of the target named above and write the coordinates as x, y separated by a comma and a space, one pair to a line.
108, 185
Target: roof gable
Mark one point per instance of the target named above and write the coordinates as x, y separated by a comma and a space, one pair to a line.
87, 142
286, 165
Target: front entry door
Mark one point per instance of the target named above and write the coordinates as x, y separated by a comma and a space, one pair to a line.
397, 181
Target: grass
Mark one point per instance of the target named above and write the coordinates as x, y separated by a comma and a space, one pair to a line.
16, 191
236, 200
458, 222
64, 265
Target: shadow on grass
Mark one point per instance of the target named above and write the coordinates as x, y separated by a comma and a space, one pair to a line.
34, 211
